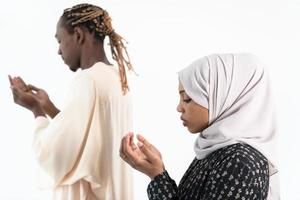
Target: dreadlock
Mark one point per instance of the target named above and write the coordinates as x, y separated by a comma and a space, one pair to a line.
97, 21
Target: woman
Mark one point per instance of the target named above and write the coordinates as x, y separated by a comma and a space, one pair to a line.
225, 99
78, 148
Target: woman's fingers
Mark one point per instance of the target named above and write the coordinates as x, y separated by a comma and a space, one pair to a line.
143, 158
145, 145
127, 148
126, 145
149, 145
128, 152
147, 150
131, 151
131, 143
143, 140
122, 148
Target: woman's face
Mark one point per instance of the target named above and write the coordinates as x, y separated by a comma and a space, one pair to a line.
194, 116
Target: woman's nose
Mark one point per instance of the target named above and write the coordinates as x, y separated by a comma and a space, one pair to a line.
179, 108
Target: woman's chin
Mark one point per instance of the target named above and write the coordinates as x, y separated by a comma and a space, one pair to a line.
192, 131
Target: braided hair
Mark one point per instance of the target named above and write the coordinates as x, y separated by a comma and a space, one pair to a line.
97, 21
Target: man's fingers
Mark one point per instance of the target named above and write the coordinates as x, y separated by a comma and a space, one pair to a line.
20, 81
10, 79
16, 94
15, 91
34, 88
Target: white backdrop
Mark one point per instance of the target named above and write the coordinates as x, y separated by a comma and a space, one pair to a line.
164, 36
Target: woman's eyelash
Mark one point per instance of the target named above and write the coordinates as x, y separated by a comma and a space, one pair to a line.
187, 100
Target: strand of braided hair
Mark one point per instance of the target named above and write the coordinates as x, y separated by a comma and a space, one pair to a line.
97, 20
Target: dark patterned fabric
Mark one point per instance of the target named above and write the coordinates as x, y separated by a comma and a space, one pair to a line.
237, 171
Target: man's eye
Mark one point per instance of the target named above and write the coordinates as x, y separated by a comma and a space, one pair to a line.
186, 100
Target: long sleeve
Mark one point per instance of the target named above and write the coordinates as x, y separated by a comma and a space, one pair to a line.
58, 143
162, 187
234, 172
40, 124
237, 178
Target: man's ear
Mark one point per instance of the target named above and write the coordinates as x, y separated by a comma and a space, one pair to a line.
78, 35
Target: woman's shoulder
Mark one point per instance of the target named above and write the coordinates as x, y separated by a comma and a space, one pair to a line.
240, 154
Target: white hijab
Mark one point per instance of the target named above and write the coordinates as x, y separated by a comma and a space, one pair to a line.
235, 89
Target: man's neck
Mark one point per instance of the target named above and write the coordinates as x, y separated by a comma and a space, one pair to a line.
91, 55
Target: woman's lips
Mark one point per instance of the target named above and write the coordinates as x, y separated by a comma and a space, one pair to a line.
183, 121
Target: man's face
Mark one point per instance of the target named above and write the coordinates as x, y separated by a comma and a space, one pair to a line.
68, 47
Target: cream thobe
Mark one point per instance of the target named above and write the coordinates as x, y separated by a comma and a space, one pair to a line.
79, 148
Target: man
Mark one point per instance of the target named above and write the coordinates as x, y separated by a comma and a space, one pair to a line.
78, 148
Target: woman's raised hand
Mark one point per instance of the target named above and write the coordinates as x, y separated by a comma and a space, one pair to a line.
143, 157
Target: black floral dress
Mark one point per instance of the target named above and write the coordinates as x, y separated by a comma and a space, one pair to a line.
236, 171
